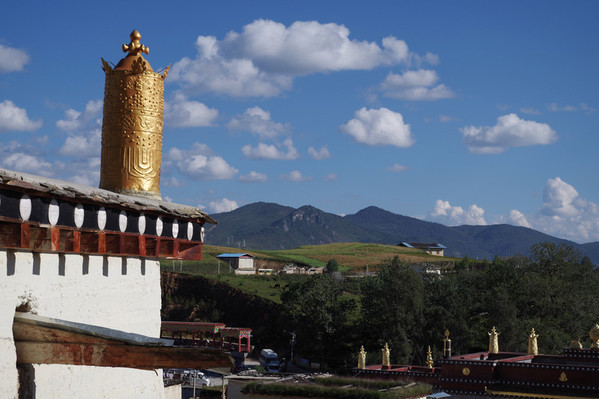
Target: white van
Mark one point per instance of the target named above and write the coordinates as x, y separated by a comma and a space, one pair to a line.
270, 361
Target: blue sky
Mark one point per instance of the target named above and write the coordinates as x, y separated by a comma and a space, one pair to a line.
457, 112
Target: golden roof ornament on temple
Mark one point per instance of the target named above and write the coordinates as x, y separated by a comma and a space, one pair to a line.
533, 347
429, 358
362, 358
386, 356
134, 47
594, 335
493, 341
132, 124
446, 345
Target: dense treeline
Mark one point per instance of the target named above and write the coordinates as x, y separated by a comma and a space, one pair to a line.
554, 291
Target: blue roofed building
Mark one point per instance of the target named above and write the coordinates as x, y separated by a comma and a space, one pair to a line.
241, 263
430, 248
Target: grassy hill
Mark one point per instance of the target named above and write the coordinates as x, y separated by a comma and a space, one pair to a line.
352, 257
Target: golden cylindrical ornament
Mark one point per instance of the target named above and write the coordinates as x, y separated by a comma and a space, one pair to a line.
132, 125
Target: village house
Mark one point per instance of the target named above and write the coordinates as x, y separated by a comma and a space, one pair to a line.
242, 263
430, 248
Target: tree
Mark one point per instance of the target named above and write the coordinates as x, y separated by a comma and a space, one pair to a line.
332, 266
392, 310
318, 312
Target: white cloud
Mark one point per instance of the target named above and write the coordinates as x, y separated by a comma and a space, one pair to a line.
12, 59
330, 177
517, 218
561, 199
554, 107
567, 215
15, 118
86, 171
76, 120
32, 158
510, 131
199, 163
295, 176
223, 205
83, 145
176, 154
23, 162
321, 154
265, 56
415, 85
445, 213
257, 121
285, 151
587, 108
530, 111
184, 113
172, 182
84, 134
379, 127
397, 168
447, 118
253, 177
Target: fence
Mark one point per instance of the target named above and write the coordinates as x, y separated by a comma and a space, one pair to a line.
195, 267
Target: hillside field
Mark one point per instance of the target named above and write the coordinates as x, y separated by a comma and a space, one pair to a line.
351, 257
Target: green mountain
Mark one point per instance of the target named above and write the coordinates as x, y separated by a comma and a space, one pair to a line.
271, 226
251, 227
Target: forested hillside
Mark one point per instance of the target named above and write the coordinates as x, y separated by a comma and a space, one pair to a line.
553, 291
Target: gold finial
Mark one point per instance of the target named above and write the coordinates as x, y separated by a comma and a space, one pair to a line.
493, 341
135, 47
533, 347
386, 356
362, 358
446, 345
575, 344
429, 358
594, 334
132, 124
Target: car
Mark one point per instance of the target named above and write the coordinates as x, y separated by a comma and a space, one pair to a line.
270, 361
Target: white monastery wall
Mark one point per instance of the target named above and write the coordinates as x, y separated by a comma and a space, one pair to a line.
109, 291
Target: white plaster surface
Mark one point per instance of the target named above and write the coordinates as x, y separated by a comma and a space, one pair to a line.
109, 291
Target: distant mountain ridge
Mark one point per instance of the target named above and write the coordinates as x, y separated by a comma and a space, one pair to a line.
264, 225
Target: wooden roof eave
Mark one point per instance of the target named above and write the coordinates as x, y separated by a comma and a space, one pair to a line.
38, 185
44, 340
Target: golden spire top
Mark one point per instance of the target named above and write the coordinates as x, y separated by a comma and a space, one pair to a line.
362, 358
493, 341
386, 356
135, 47
533, 347
594, 334
429, 358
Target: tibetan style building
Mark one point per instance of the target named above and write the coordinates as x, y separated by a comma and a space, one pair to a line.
79, 266
496, 374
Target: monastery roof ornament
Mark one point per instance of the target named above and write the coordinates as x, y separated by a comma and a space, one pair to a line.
594, 335
386, 356
493, 341
132, 124
429, 358
135, 47
533, 347
446, 345
362, 358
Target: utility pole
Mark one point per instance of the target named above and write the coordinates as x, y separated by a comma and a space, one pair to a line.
292, 343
